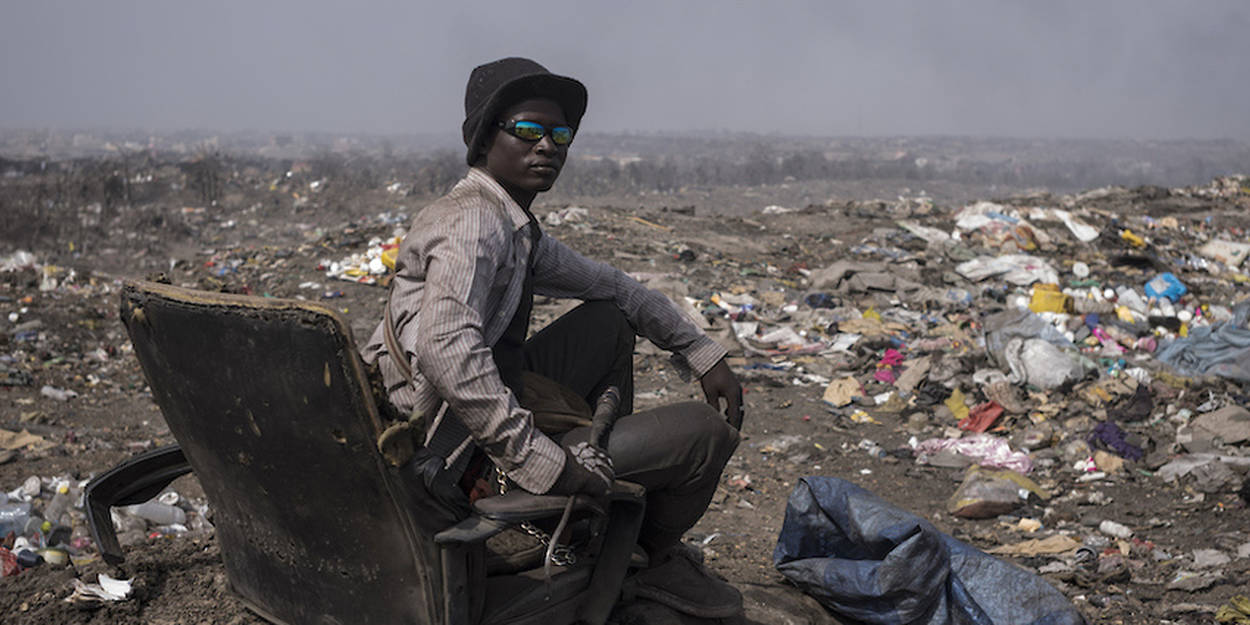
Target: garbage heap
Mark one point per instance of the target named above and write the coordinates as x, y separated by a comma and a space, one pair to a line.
1037, 343
1041, 345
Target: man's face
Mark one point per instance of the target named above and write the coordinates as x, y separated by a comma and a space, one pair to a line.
526, 168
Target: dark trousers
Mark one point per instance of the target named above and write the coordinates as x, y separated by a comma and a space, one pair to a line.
677, 451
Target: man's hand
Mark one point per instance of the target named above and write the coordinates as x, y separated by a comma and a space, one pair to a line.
719, 382
587, 469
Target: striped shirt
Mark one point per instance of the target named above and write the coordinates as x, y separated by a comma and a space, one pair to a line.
458, 282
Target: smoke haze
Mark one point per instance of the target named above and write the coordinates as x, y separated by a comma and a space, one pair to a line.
1127, 69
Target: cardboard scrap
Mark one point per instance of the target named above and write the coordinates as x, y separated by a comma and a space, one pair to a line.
1228, 252
1230, 424
914, 373
1038, 546
1108, 462
17, 440
871, 327
842, 392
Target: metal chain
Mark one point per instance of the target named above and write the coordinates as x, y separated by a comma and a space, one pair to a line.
562, 555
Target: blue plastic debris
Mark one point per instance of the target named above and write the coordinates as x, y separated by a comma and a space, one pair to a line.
1166, 285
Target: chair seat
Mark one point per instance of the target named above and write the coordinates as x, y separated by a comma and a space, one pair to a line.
521, 598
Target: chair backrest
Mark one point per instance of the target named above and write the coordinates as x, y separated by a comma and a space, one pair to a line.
269, 402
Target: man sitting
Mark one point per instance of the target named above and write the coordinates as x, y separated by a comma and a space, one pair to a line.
459, 309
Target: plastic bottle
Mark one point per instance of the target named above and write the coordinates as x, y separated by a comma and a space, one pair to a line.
1130, 298
158, 513
13, 517
61, 502
1111, 528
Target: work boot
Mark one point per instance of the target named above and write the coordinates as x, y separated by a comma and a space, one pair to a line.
678, 579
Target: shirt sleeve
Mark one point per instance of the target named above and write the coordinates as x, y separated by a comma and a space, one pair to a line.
462, 256
562, 272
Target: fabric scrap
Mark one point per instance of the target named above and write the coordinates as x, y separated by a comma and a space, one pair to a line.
1222, 349
1108, 435
986, 450
982, 417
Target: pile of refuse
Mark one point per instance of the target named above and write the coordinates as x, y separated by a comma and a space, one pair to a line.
1039, 351
1035, 343
1042, 346
43, 523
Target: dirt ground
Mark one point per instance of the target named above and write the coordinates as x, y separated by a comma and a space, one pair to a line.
250, 244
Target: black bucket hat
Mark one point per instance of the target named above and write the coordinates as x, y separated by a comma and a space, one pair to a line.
496, 85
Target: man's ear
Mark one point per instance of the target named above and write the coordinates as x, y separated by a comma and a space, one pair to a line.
482, 148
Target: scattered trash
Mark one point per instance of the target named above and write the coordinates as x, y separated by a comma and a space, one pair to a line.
1236, 611
568, 215
1097, 343
986, 494
58, 394
23, 440
106, 589
1222, 349
1166, 285
1033, 547
842, 392
1227, 426
1040, 363
982, 449
158, 513
1230, 253
1115, 530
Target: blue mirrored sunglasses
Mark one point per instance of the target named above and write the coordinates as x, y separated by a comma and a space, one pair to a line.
531, 131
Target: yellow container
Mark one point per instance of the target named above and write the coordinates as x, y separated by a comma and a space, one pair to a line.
1133, 239
388, 257
1048, 298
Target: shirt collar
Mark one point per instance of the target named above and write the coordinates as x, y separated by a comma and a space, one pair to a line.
518, 215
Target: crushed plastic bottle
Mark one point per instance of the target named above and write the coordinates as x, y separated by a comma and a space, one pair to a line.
158, 513
1111, 528
13, 517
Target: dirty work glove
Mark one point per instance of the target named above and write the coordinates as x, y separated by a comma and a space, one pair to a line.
587, 469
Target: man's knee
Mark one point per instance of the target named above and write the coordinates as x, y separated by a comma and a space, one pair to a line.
709, 428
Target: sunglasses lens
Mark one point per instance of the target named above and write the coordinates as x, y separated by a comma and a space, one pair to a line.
562, 135
529, 131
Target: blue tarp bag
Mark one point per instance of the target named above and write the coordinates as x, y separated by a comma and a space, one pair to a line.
870, 562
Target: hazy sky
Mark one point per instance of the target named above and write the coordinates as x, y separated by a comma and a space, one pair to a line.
1131, 68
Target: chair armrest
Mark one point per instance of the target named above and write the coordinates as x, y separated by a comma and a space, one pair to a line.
474, 529
495, 514
518, 506
623, 490
133, 481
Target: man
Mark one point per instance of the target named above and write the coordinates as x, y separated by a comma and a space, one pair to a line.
460, 309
